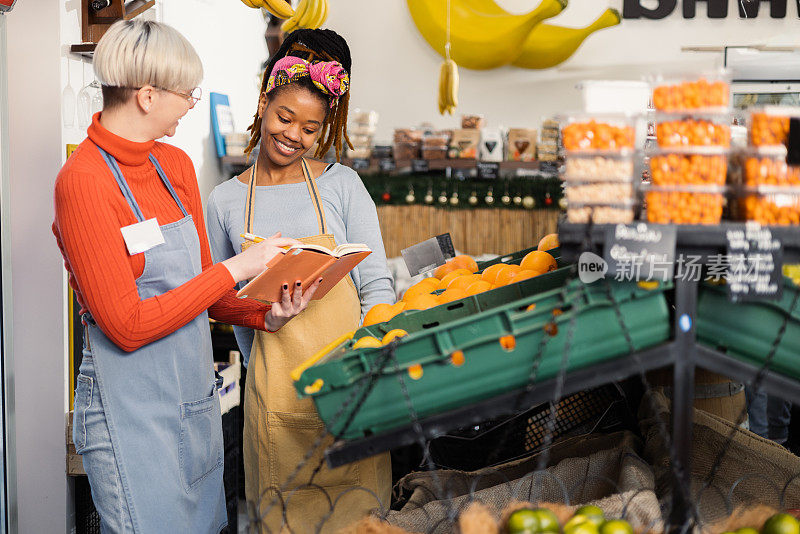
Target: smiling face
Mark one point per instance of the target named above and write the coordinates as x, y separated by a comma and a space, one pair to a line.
291, 123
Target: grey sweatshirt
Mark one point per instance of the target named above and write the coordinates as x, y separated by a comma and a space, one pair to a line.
350, 215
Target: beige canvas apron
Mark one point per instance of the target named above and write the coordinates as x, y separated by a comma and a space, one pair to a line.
279, 428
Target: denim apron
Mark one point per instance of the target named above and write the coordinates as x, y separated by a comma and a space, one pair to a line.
148, 422
279, 428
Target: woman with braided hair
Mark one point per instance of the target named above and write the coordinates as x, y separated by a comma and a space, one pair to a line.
303, 103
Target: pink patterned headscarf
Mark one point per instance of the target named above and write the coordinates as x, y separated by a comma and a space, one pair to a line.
329, 76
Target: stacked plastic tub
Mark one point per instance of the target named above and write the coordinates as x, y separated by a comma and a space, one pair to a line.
599, 177
689, 168
768, 189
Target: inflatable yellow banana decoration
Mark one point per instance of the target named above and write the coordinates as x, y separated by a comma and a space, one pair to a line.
279, 8
549, 45
309, 14
480, 40
448, 87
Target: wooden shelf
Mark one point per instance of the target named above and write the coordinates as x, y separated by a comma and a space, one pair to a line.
84, 49
135, 8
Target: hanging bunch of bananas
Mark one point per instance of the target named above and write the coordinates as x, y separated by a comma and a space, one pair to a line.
279, 8
309, 14
448, 87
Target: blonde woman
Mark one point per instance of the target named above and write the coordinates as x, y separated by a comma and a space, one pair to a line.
129, 222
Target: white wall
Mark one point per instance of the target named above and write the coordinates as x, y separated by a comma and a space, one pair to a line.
36, 268
396, 72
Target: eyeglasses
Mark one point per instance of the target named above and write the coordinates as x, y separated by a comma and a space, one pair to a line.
192, 97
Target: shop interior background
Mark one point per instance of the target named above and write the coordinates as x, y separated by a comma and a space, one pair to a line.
395, 73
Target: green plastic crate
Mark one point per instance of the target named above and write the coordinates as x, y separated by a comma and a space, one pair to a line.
747, 330
414, 320
489, 369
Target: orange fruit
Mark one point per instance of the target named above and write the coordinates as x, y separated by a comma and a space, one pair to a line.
548, 242
379, 314
505, 274
464, 281
422, 302
442, 270
466, 262
452, 294
449, 277
508, 342
367, 341
457, 358
539, 260
478, 287
519, 276
391, 335
415, 371
490, 273
426, 285
531, 307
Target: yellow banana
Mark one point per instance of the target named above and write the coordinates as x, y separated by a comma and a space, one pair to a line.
279, 8
479, 40
549, 45
315, 13
307, 15
249, 3
294, 22
448, 87
324, 15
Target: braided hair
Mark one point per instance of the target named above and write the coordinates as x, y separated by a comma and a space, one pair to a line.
322, 45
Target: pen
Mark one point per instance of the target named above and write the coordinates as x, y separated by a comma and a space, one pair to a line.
251, 237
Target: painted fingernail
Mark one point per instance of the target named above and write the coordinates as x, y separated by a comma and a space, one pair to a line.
285, 286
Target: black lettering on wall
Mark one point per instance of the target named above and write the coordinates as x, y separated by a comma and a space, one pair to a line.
749, 8
633, 9
717, 9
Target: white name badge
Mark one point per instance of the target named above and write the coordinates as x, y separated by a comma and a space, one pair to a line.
142, 236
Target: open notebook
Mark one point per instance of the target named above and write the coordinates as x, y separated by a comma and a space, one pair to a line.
306, 263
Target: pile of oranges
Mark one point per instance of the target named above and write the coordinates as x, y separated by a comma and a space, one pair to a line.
459, 278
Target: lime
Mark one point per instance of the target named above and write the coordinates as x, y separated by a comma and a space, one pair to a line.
548, 522
523, 521
746, 530
781, 524
616, 526
575, 520
592, 513
586, 527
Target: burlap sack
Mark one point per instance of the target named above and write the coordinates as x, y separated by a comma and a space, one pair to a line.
754, 470
605, 470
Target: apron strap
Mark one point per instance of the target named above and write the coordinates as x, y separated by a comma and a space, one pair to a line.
123, 185
126, 190
315, 197
248, 206
168, 185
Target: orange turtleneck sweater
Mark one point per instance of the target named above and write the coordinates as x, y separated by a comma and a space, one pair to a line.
89, 212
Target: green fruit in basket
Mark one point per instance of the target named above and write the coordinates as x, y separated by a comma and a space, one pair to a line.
548, 522
592, 513
584, 527
746, 530
523, 521
781, 524
616, 526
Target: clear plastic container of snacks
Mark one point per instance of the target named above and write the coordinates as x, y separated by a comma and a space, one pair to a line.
382, 151
434, 153
693, 129
359, 153
407, 135
598, 132
546, 152
406, 150
364, 117
472, 122
436, 139
764, 165
769, 205
706, 91
599, 192
769, 125
615, 166
619, 212
689, 167
685, 205
360, 129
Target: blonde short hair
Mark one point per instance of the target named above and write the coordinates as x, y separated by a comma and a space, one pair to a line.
134, 53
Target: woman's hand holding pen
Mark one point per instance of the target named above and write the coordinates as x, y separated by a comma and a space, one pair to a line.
252, 261
292, 302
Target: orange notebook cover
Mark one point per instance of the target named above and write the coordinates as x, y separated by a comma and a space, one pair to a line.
305, 263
